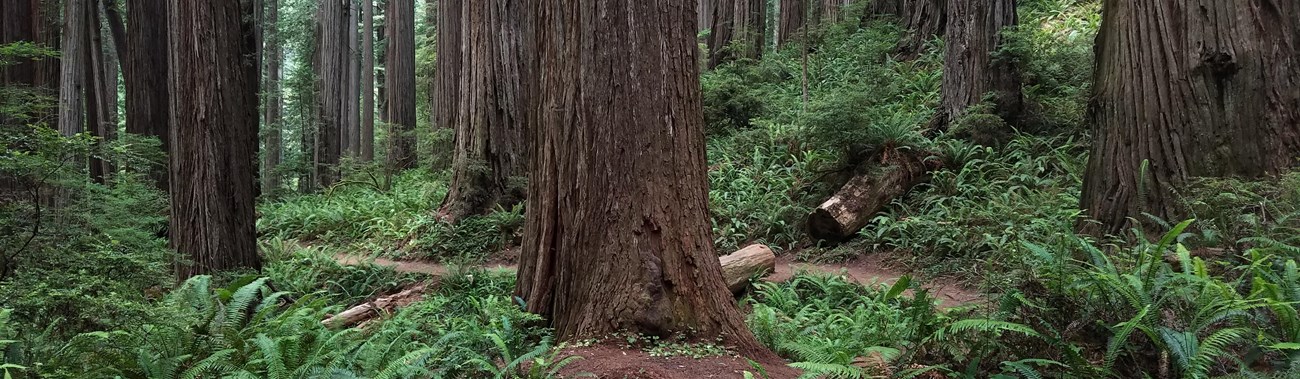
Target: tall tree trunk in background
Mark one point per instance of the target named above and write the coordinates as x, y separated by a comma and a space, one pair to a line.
970, 70
214, 120
99, 109
923, 20
116, 28
47, 28
352, 99
72, 77
274, 107
738, 30
447, 74
17, 23
793, 14
617, 236
401, 84
367, 137
1188, 88
490, 118
145, 71
704, 14
381, 68
331, 76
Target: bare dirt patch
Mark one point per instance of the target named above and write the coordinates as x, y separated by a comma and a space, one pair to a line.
607, 361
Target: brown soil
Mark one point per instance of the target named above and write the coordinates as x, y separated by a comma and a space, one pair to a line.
872, 270
606, 361
867, 270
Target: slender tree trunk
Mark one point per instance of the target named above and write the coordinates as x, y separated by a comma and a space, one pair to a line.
214, 119
1188, 88
490, 115
17, 23
704, 14
738, 27
72, 77
381, 69
331, 76
47, 28
352, 131
367, 137
618, 235
793, 14
274, 108
116, 28
99, 108
401, 84
970, 69
145, 71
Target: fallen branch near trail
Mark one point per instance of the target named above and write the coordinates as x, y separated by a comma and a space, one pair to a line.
384, 305
853, 206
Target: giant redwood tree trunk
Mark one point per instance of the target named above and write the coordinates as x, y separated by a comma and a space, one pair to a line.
738, 30
400, 88
488, 161
144, 69
351, 142
214, 120
618, 235
72, 78
793, 16
367, 137
332, 79
1195, 88
447, 74
970, 70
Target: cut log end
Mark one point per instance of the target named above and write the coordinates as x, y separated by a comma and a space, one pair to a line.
752, 261
822, 225
853, 206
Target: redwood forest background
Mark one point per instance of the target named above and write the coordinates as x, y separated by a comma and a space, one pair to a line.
649, 189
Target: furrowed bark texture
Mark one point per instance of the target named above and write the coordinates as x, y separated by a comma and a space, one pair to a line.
488, 160
214, 123
351, 143
18, 19
101, 95
400, 75
145, 72
447, 75
72, 78
738, 30
970, 70
332, 80
617, 235
367, 137
1195, 88
273, 146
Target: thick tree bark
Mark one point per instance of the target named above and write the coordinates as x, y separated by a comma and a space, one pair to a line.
855, 204
273, 147
332, 79
72, 77
145, 71
214, 120
447, 74
367, 138
738, 30
923, 21
970, 70
617, 236
1188, 88
400, 77
17, 23
491, 107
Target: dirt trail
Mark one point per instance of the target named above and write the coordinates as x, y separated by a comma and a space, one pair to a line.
869, 270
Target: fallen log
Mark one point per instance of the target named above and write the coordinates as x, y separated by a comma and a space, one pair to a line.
853, 206
739, 267
370, 309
